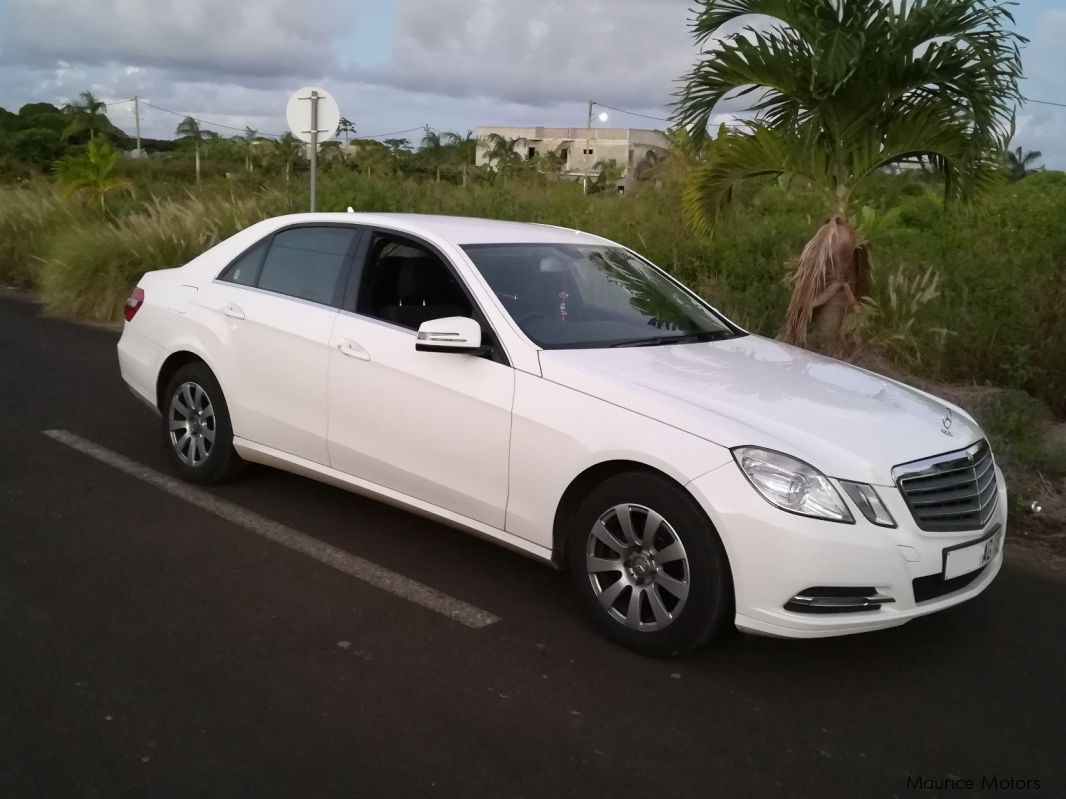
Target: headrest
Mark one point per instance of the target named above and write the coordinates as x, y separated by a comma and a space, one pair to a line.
422, 277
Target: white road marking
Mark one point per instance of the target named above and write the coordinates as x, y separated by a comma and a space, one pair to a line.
350, 564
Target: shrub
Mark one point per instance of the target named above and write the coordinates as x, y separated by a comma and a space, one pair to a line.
89, 268
28, 218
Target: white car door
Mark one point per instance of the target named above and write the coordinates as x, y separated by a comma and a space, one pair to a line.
433, 426
278, 303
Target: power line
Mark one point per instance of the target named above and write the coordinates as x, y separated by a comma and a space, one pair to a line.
391, 133
632, 113
207, 122
1044, 102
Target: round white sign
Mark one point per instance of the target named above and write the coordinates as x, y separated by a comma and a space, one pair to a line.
298, 114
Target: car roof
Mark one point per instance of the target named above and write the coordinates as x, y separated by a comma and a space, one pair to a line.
458, 229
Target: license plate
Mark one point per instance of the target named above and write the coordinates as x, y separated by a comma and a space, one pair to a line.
966, 559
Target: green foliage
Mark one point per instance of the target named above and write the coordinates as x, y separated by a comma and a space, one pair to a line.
29, 217
1017, 425
89, 268
1002, 288
37, 147
1020, 164
87, 114
285, 154
31, 139
900, 323
92, 174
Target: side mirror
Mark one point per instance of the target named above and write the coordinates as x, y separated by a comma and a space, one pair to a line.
452, 334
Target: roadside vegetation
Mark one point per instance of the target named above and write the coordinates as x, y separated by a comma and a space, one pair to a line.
940, 259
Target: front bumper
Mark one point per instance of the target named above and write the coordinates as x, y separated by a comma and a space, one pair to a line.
776, 555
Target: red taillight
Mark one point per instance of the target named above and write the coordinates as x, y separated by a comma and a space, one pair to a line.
133, 304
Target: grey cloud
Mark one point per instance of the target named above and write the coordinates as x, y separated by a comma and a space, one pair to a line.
624, 52
1043, 127
251, 38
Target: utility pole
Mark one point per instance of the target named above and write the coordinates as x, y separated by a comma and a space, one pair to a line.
314, 150
588, 146
137, 121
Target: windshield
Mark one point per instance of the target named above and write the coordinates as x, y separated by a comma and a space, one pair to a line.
584, 296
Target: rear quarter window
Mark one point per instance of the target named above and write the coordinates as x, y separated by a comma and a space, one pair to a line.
244, 271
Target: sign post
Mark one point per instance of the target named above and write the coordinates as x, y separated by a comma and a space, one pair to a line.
313, 117
314, 150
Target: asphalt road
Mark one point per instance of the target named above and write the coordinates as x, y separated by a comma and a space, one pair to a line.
150, 648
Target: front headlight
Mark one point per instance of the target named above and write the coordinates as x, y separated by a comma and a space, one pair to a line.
791, 484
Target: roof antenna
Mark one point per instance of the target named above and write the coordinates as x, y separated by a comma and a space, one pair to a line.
351, 210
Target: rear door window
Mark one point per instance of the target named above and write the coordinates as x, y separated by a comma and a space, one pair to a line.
308, 262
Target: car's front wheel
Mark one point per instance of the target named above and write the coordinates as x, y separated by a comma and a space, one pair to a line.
196, 426
648, 565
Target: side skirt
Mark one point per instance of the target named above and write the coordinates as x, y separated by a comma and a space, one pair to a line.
267, 456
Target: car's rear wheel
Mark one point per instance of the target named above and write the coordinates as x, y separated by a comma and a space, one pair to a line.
196, 426
648, 565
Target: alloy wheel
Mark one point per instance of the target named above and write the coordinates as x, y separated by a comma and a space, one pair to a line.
192, 424
638, 567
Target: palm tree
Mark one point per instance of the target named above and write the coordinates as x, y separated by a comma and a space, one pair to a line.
841, 89
431, 140
1020, 163
502, 151
88, 113
375, 157
553, 163
285, 152
189, 129
648, 166
346, 127
247, 141
330, 155
607, 173
91, 173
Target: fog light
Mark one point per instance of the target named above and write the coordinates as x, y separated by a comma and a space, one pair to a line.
834, 599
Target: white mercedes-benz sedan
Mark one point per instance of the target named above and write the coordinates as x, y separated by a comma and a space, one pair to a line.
555, 392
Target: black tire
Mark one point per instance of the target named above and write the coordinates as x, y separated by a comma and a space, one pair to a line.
654, 573
209, 461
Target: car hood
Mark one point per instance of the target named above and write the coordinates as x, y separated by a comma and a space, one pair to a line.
843, 420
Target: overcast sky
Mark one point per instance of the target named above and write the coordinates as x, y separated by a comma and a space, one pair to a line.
398, 64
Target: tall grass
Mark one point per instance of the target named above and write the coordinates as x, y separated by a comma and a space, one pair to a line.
29, 218
89, 268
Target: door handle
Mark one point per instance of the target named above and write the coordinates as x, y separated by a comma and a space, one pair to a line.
232, 311
353, 350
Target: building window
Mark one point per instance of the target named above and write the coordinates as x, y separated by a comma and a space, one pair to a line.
587, 152
532, 153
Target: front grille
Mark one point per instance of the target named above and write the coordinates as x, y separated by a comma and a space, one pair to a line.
952, 492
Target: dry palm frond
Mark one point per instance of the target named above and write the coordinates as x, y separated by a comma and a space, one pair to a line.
825, 268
